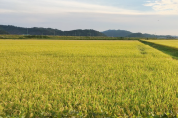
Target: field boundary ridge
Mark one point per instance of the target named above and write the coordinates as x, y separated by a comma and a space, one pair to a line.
172, 51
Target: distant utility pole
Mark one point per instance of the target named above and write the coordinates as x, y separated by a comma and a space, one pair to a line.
54, 32
90, 33
27, 31
79, 33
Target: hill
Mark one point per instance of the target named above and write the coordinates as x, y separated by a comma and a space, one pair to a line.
136, 35
3, 32
124, 33
117, 33
48, 31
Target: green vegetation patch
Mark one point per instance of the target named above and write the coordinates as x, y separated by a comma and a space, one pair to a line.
57, 37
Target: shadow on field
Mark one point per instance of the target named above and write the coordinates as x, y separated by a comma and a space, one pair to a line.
165, 49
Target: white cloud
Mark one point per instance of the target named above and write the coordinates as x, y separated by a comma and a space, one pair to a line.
65, 6
164, 6
6, 11
59, 6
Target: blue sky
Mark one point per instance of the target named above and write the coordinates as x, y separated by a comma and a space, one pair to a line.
146, 16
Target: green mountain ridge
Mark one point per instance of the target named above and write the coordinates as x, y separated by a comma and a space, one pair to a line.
14, 30
3, 32
125, 33
117, 33
48, 31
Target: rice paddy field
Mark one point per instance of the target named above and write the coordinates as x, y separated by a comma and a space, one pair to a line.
171, 43
42, 78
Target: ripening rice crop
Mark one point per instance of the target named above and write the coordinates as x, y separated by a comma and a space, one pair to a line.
171, 43
86, 79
